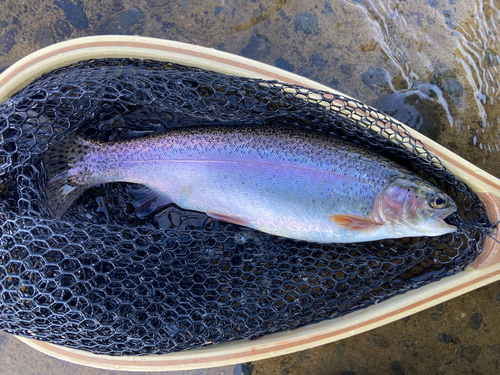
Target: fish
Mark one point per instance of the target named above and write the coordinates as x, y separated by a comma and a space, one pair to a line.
282, 180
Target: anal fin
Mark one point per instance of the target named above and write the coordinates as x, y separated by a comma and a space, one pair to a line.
228, 219
147, 200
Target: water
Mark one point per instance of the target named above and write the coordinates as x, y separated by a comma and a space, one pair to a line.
447, 55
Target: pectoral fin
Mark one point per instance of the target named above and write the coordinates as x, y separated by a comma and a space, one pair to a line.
355, 223
228, 218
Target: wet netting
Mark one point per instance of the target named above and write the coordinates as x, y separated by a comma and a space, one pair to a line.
104, 280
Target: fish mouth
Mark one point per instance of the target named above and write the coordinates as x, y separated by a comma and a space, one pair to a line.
438, 224
439, 227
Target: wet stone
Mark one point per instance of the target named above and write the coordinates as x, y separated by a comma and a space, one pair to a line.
418, 16
117, 6
45, 37
258, 48
340, 348
495, 349
491, 58
475, 321
74, 14
425, 115
289, 366
448, 18
470, 353
62, 29
246, 369
436, 317
445, 338
283, 64
6, 42
397, 368
157, 3
3, 24
472, 138
453, 88
375, 78
167, 26
129, 22
283, 15
218, 10
328, 7
378, 341
347, 69
432, 3
307, 23
317, 61
16, 22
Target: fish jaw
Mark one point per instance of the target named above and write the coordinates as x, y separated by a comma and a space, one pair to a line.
436, 227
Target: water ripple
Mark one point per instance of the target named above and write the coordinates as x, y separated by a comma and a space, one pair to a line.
477, 44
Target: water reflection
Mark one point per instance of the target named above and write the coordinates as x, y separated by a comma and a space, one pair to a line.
477, 44
445, 53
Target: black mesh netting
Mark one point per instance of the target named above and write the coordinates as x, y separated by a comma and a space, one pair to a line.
106, 281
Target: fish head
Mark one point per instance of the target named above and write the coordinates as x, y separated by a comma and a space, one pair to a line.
415, 208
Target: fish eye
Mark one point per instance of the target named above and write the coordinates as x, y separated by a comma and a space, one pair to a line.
438, 201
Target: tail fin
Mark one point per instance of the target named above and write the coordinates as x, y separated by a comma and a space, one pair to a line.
63, 187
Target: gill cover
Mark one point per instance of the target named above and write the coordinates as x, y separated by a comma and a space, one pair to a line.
414, 208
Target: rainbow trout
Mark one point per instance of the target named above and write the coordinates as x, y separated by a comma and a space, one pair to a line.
286, 181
